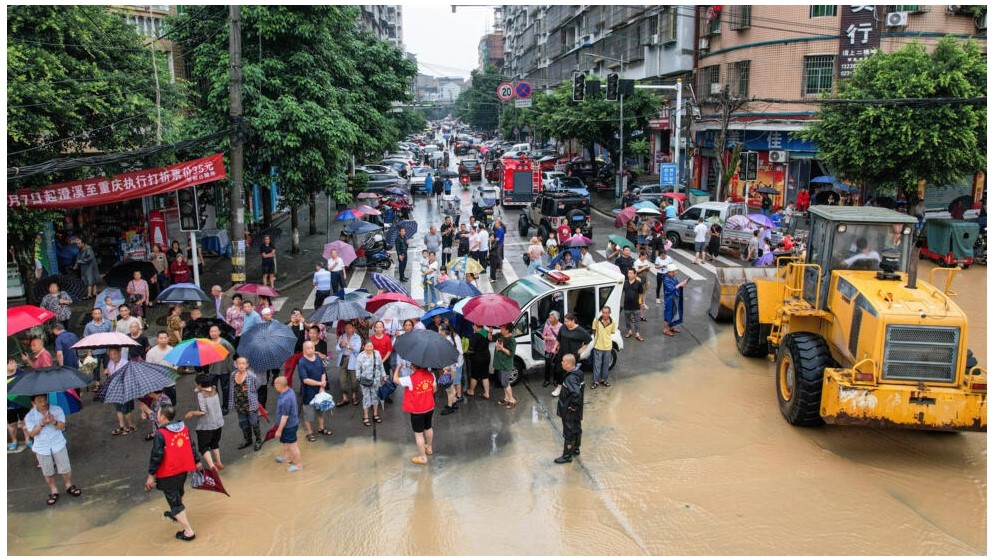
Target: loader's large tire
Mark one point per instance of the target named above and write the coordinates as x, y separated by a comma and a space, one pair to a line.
748, 331
800, 370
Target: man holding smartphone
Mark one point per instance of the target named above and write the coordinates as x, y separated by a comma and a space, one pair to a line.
672, 300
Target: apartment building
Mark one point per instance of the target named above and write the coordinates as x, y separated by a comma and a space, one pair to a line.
654, 44
767, 63
148, 23
385, 21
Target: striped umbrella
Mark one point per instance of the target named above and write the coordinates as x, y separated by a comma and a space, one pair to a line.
134, 380
388, 283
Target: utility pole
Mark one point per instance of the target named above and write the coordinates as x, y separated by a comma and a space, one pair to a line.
621, 183
236, 221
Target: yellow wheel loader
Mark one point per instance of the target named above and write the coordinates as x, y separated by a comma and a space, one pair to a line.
857, 340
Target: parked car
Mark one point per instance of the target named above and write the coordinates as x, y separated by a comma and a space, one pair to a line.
680, 229
549, 208
569, 184
418, 181
548, 177
651, 192
472, 167
378, 182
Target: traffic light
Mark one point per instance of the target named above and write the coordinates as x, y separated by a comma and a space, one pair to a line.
188, 208
611, 87
579, 86
749, 165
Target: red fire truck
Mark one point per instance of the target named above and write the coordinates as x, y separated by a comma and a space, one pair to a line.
521, 179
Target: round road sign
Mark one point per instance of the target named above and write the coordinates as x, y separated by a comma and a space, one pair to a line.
505, 91
523, 90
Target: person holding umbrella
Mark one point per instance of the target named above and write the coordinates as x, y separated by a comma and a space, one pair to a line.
15, 411
173, 455
242, 398
418, 401
45, 426
570, 401
454, 390
337, 273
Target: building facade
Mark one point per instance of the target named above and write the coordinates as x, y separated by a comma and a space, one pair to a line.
385, 21
148, 23
766, 65
546, 45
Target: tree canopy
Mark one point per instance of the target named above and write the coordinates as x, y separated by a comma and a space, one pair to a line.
893, 146
478, 105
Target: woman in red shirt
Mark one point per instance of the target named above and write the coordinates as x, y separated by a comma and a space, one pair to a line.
382, 343
417, 400
180, 272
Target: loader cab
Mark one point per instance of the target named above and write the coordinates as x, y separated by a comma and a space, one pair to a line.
854, 239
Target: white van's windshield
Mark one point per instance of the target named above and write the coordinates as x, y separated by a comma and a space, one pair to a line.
524, 290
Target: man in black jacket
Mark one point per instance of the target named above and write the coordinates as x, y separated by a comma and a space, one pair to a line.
570, 408
571, 340
402, 253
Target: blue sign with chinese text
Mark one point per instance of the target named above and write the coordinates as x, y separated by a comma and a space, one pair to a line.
667, 174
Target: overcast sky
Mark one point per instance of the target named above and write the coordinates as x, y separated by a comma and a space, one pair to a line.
445, 43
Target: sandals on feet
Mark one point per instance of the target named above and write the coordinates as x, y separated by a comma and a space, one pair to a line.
428, 450
52, 499
310, 437
119, 431
377, 419
74, 491
639, 338
509, 406
149, 436
419, 460
183, 537
469, 393
627, 335
325, 432
169, 515
367, 422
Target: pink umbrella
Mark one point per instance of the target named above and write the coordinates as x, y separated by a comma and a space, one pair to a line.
105, 340
491, 310
366, 210
624, 216
343, 250
26, 316
368, 196
257, 289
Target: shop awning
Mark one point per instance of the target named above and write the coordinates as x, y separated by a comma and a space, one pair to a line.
123, 187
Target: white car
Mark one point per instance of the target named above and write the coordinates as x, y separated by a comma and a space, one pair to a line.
548, 178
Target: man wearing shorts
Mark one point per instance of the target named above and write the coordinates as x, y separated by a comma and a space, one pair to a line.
173, 456
417, 400
502, 361
287, 426
700, 233
15, 412
268, 259
45, 426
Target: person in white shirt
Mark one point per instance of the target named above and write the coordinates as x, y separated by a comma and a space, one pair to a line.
336, 269
430, 269
641, 267
45, 426
157, 355
863, 252
700, 233
587, 259
483, 245
662, 263
474, 242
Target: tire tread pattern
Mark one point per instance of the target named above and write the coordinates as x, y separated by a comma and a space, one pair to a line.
810, 356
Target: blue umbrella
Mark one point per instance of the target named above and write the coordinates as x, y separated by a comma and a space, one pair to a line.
134, 380
335, 311
841, 186
410, 231
183, 292
267, 345
47, 380
117, 298
388, 283
439, 311
458, 288
645, 204
361, 227
574, 252
823, 180
67, 400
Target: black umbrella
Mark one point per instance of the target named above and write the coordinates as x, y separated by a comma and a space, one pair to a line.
267, 345
121, 274
48, 380
134, 380
72, 284
426, 349
182, 293
200, 327
410, 231
967, 201
767, 190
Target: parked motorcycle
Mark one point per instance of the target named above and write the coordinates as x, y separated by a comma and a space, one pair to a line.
465, 181
372, 254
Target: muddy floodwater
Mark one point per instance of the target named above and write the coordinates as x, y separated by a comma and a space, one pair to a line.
689, 456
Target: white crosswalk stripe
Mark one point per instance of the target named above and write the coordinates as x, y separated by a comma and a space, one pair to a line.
310, 301
357, 279
728, 262
508, 273
678, 255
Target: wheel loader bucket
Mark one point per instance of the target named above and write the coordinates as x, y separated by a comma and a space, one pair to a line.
727, 280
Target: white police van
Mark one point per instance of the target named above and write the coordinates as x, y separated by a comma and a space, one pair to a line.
580, 291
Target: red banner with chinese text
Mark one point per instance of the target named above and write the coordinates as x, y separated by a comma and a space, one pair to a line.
123, 187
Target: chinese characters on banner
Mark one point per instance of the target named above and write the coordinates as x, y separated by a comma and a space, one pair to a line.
123, 187
859, 36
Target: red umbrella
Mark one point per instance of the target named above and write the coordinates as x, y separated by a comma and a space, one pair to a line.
366, 210
377, 301
262, 412
272, 433
257, 289
624, 216
207, 479
491, 310
26, 316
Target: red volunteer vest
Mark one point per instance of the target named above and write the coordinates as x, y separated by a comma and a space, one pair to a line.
178, 457
419, 399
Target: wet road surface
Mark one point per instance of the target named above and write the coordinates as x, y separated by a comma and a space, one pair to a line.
686, 454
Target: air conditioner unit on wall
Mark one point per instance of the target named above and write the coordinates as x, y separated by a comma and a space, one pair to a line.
653, 40
777, 156
704, 44
896, 19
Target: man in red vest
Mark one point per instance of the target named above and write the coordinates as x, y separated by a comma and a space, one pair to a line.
173, 456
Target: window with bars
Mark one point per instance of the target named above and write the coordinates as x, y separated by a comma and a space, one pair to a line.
905, 8
740, 17
738, 78
708, 76
819, 72
824, 11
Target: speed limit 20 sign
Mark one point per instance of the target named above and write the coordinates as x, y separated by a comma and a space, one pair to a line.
505, 91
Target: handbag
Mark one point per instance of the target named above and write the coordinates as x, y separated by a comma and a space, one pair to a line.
526, 259
386, 390
445, 380
366, 382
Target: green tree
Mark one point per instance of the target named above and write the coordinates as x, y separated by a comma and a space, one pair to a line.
478, 106
78, 79
892, 146
316, 90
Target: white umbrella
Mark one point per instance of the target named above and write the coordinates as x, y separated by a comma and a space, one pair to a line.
400, 311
